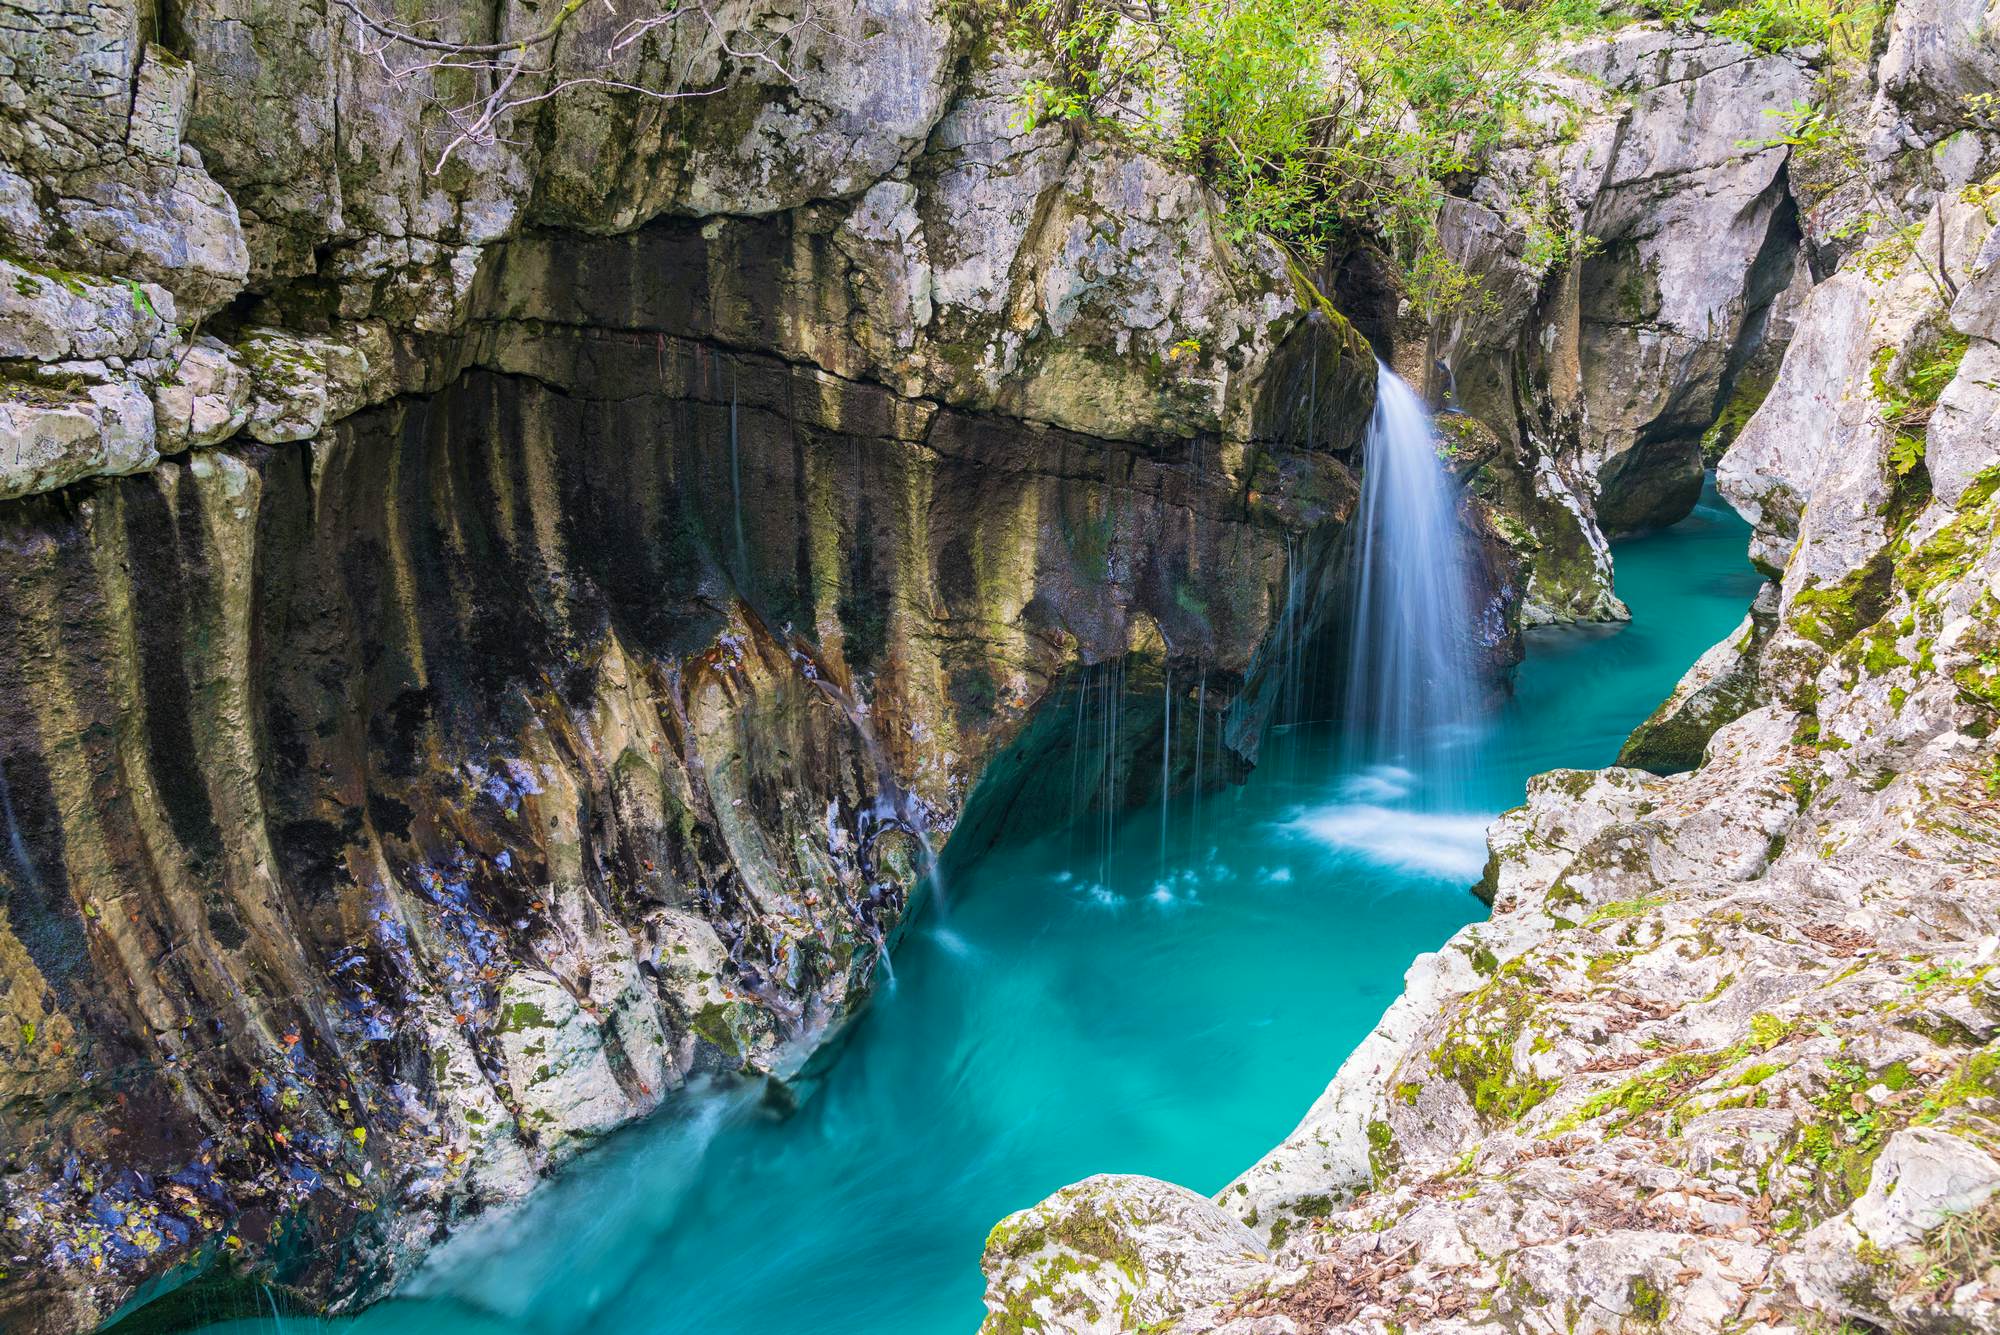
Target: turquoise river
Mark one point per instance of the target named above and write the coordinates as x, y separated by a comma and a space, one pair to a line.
1070, 1016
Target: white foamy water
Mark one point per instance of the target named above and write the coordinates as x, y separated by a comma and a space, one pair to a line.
1409, 693
1381, 783
1421, 843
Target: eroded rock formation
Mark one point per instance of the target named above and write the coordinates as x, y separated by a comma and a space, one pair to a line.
492, 642
1639, 258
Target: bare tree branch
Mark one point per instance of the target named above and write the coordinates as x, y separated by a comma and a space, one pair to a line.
520, 73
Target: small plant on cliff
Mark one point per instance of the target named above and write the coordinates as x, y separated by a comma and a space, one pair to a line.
1828, 150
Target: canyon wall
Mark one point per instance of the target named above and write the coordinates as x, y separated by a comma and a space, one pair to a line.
498, 632
1638, 257
502, 624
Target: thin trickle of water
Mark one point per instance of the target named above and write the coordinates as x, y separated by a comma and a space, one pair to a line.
1082, 688
1167, 769
897, 805
1200, 731
736, 490
1409, 693
24, 861
1114, 700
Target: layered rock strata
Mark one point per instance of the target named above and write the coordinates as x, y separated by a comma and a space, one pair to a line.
501, 630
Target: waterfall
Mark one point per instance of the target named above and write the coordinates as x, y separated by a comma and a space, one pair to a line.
1409, 686
1200, 730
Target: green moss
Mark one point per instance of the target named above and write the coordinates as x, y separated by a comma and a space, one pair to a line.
73, 283
1879, 655
1745, 398
1767, 1030
1079, 1227
1313, 1207
711, 1024
1908, 388
1659, 1089
521, 1016
1648, 1303
1603, 966
1951, 553
1977, 1078
1382, 1156
1625, 908
1831, 615
1478, 1053
1575, 782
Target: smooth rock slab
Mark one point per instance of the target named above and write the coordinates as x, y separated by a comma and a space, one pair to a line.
51, 438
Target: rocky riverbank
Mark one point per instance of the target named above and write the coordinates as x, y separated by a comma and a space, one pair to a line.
501, 624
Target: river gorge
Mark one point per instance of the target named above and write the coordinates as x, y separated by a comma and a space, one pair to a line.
1070, 1012
1258, 666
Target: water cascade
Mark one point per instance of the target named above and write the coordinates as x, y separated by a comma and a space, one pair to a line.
1410, 700
1407, 796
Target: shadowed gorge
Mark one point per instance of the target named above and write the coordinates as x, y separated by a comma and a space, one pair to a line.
1160, 994
451, 791
715, 665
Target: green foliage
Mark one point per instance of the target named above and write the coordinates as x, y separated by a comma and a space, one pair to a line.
1626, 908
1828, 153
1909, 394
1768, 25
1316, 120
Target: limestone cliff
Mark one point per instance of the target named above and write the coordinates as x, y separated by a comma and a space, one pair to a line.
1639, 258
1723, 1060
494, 638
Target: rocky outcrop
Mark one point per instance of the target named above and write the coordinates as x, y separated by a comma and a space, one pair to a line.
1635, 252
1723, 1059
498, 637
961, 259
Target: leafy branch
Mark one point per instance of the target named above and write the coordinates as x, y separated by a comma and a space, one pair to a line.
1317, 121
1830, 149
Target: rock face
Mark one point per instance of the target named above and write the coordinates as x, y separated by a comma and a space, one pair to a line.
1636, 252
493, 638
1724, 1058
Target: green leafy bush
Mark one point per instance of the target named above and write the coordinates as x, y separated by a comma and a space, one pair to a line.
1768, 25
1316, 120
